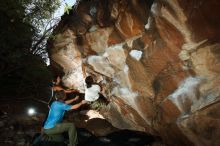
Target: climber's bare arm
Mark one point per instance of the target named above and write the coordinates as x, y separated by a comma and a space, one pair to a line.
78, 104
71, 100
71, 91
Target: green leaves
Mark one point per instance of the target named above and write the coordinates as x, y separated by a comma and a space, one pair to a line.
67, 8
38, 11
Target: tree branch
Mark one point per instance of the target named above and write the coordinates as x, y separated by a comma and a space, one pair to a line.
34, 48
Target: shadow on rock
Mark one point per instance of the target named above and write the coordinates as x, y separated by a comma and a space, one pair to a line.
119, 138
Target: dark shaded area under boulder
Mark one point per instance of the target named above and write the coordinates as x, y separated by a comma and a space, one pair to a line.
119, 138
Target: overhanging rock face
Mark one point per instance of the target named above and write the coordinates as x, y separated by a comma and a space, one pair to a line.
158, 62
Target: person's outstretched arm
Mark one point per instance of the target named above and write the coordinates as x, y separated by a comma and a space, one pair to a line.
71, 90
78, 104
72, 100
59, 88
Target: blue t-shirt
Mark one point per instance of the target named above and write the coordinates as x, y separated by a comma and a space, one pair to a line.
56, 114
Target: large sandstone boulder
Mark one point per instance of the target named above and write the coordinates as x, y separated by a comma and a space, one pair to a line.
158, 62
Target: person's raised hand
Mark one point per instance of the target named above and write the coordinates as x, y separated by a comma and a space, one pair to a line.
83, 101
76, 98
75, 90
58, 80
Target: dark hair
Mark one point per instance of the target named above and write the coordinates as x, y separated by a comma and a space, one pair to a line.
89, 81
60, 95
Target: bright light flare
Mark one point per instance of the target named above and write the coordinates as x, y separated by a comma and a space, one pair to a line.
31, 111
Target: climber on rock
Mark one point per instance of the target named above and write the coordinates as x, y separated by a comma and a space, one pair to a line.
93, 92
53, 125
57, 86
